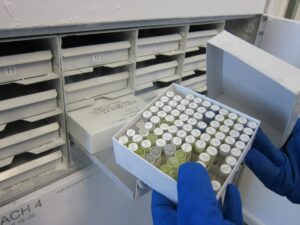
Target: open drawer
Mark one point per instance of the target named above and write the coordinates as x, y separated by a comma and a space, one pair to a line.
95, 55
159, 44
199, 38
35, 141
21, 66
96, 86
26, 106
194, 63
155, 72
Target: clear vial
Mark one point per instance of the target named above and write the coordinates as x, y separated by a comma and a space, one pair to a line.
167, 137
229, 140
205, 158
252, 125
173, 130
153, 109
149, 126
137, 139
215, 142
183, 117
161, 143
181, 108
216, 185
177, 98
244, 138
177, 142
235, 134
219, 118
190, 139
164, 126
212, 152
215, 108
193, 105
178, 123
158, 132
155, 120
239, 127
133, 147
147, 115
223, 112
192, 122
224, 129
170, 119
201, 126
240, 145
181, 134
170, 94
201, 109
211, 131
181, 156
130, 133
200, 146
221, 136
150, 159
164, 99
233, 116
224, 150
184, 102
231, 161
159, 105
169, 150
224, 172
172, 103
173, 163
205, 137
187, 148
235, 152
152, 138
146, 145
229, 123
187, 128
140, 151
196, 133
197, 100
215, 124
190, 97
165, 168
209, 116
175, 113
242, 120
141, 123
189, 112
167, 108
248, 131
206, 104
198, 116
123, 140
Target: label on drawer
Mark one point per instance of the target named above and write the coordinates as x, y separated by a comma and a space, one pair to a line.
10, 71
97, 58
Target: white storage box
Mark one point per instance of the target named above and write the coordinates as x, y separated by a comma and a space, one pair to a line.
25, 106
92, 127
194, 63
155, 72
159, 44
150, 174
199, 38
254, 81
21, 66
95, 55
96, 86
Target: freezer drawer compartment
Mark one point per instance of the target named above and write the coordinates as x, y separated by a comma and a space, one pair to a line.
27, 65
194, 63
199, 38
155, 72
26, 106
159, 44
34, 141
95, 55
195, 83
93, 87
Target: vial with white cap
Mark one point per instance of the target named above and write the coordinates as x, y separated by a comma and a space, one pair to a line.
219, 118
133, 147
215, 108
181, 108
130, 133
172, 103
189, 97
205, 158
244, 138
224, 150
157, 153
153, 109
167, 137
206, 104
149, 126
164, 99
170, 119
192, 122
175, 113
201, 109
193, 105
212, 152
160, 143
223, 112
209, 116
240, 145
234, 133
199, 146
229, 140
205, 137
177, 142
252, 125
146, 145
196, 133
167, 108
224, 129
152, 138
224, 172
190, 139
233, 116
181, 156
202, 126
187, 148
216, 185
123, 140
215, 142
158, 132
215, 124
177, 98
173, 163
211, 131
161, 114
235, 152
197, 100
228, 122
147, 115
159, 105
221, 136
198, 116
184, 117
164, 126
150, 158
231, 161
169, 150
141, 123
155, 120
189, 112
137, 139
172, 130
242, 120
170, 94
181, 134
248, 131
239, 127
184, 102
178, 123
187, 128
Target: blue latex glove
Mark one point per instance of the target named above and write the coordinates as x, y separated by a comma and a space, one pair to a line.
278, 169
197, 203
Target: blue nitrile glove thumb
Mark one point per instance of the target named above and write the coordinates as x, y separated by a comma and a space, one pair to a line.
197, 203
277, 169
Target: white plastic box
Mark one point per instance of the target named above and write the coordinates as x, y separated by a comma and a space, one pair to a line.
151, 175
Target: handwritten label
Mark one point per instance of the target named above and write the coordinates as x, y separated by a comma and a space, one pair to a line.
10, 71
96, 58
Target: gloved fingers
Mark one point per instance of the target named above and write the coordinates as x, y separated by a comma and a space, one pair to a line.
262, 167
296, 130
232, 207
263, 144
163, 210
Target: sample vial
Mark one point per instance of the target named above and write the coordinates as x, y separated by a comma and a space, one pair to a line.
213, 170
198, 116
235, 152
172, 130
240, 145
181, 134
137, 139
211, 131
252, 125
160, 143
147, 115
201, 109
169, 150
242, 120
177, 142
219, 118
205, 137
223, 112
216, 185
209, 116
248, 131
152, 138
141, 123
215, 124
233, 116
199, 146
153, 109
156, 152
165, 168
228, 123
123, 140
189, 112
231, 161
164, 126
205, 158
181, 108
155, 120
187, 148
175, 113
170, 94
173, 163
167, 108
244, 138
224, 172
201, 163
159, 105
167, 137
206, 104
201, 126
219, 135
184, 102
150, 159
212, 152
192, 122
229, 140
170, 119
215, 142
177, 98
164, 99
183, 117
181, 156
224, 129
196, 133
174, 174
224, 150
149, 126
193, 105
133, 147
146, 145
239, 127
187, 128
161, 114
197, 100
172, 103
178, 123
158, 132
215, 108
130, 133
190, 139
189, 97
235, 134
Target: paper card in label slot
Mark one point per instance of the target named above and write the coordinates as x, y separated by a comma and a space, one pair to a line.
93, 127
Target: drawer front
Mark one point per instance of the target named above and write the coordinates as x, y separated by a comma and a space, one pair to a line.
156, 75
194, 65
156, 48
197, 42
22, 71
95, 59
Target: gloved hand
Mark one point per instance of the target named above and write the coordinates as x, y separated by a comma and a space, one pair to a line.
277, 169
197, 203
